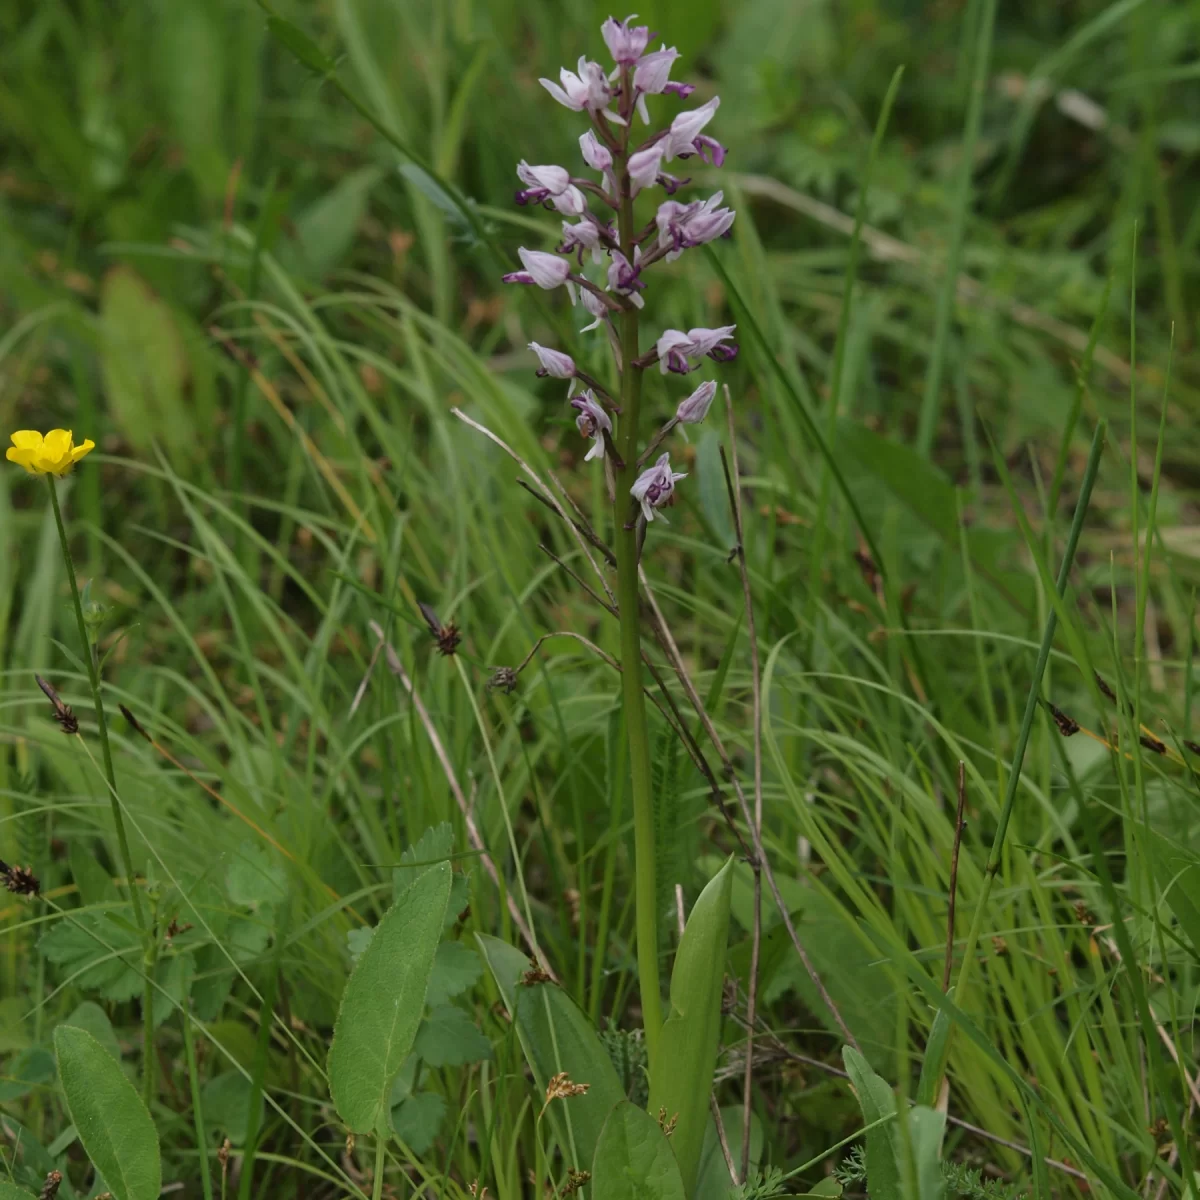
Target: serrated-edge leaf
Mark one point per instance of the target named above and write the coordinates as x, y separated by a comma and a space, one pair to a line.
384, 1000
113, 1124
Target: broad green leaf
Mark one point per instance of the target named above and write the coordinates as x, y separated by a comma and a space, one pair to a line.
1177, 870
634, 1160
255, 876
327, 228
449, 1038
144, 363
96, 953
225, 1099
926, 1128
681, 1077
555, 1036
9, 1191
456, 968
93, 881
25, 1072
300, 44
877, 1100
434, 845
91, 1017
113, 1124
418, 1119
190, 53
383, 1002
849, 966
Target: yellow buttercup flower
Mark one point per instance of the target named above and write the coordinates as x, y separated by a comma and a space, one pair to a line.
54, 454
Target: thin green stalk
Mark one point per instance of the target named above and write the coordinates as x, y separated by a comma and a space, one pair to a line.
1031, 706
92, 659
377, 1182
101, 723
189, 1049
634, 701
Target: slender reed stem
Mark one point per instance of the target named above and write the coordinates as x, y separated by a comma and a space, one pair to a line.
93, 669
646, 890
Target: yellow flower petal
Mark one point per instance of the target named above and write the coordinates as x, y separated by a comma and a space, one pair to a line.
27, 439
22, 457
79, 451
57, 444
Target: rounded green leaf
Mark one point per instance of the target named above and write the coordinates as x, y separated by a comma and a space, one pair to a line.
384, 1001
634, 1160
113, 1124
9, 1191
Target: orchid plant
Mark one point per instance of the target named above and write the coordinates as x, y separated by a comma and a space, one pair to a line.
602, 260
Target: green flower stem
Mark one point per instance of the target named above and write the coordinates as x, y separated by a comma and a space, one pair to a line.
91, 657
94, 679
646, 892
377, 1182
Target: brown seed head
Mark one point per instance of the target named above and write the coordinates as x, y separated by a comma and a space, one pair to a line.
21, 881
51, 1186
536, 974
668, 1127
1067, 726
504, 679
575, 1180
560, 1087
62, 712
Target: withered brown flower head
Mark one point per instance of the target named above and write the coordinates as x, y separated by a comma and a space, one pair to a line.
446, 636
504, 679
21, 881
62, 712
560, 1087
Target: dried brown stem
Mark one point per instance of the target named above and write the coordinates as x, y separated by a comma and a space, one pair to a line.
397, 669
733, 485
665, 639
722, 1140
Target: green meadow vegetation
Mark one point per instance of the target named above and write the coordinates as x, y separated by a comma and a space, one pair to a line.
371, 828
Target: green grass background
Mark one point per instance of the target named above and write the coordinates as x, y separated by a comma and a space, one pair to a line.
263, 312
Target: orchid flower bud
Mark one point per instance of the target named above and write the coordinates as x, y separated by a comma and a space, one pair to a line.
694, 408
655, 487
625, 42
555, 363
545, 270
592, 422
